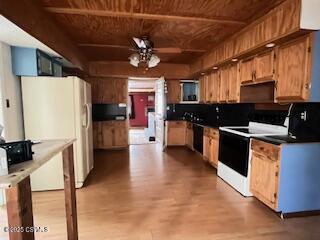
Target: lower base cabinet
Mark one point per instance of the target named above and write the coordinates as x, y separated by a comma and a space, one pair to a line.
176, 133
110, 134
286, 177
189, 135
211, 146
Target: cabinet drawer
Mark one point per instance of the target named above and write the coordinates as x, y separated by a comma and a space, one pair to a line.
175, 124
268, 150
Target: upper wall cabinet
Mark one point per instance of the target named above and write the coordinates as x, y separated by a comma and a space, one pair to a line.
213, 87
287, 19
298, 75
109, 91
229, 84
293, 70
234, 85
174, 91
258, 68
246, 70
33, 62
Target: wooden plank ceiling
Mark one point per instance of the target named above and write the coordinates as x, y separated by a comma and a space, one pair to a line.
103, 29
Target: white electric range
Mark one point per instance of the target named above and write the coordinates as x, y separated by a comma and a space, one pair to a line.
234, 165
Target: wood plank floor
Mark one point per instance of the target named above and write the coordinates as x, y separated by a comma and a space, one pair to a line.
144, 194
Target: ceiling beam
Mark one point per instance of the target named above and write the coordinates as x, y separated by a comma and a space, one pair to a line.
147, 16
128, 47
123, 69
30, 16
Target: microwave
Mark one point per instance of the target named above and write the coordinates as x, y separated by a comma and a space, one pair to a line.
189, 91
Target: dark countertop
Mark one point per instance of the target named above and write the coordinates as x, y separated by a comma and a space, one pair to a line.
285, 139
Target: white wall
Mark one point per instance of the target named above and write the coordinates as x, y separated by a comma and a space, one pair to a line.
10, 88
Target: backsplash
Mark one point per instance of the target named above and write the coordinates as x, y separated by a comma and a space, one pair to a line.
214, 115
305, 120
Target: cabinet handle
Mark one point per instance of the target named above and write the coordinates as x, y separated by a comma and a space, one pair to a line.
308, 85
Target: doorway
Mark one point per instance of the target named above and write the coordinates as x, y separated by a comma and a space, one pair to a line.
141, 110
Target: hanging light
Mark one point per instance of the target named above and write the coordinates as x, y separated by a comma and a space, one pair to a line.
134, 59
154, 61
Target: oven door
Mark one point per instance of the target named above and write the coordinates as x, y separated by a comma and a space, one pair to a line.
234, 152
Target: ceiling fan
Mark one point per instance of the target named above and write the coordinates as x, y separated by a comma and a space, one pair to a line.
145, 52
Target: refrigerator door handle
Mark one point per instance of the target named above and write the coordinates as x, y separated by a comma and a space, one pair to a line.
87, 116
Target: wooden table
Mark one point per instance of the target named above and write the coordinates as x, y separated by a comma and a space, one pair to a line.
18, 190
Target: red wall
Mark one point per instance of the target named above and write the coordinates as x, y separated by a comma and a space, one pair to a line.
140, 103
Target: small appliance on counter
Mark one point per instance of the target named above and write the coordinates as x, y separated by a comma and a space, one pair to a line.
13, 153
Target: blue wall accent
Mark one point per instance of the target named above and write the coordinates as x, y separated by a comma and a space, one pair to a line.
24, 61
315, 71
299, 178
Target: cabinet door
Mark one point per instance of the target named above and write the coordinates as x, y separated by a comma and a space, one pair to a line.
202, 87
264, 67
264, 179
214, 87
174, 91
120, 134
107, 134
121, 90
246, 70
96, 91
206, 145
224, 85
176, 133
214, 148
208, 88
108, 94
97, 135
189, 137
293, 69
234, 84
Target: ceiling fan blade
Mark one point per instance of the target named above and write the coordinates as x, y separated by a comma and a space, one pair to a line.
140, 43
168, 50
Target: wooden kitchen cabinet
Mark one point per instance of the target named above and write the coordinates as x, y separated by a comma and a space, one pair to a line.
246, 70
212, 87
293, 70
264, 66
284, 177
174, 91
264, 180
176, 133
211, 146
110, 134
214, 147
189, 135
224, 85
121, 90
206, 144
258, 68
202, 87
208, 88
109, 91
234, 84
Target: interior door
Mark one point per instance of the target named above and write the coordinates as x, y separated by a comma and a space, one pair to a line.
160, 111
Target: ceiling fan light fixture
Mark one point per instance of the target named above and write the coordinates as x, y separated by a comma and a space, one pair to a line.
154, 61
134, 59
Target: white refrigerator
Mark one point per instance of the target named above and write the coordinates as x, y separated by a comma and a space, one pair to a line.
59, 108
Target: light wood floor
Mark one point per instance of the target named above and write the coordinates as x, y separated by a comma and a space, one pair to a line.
144, 194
